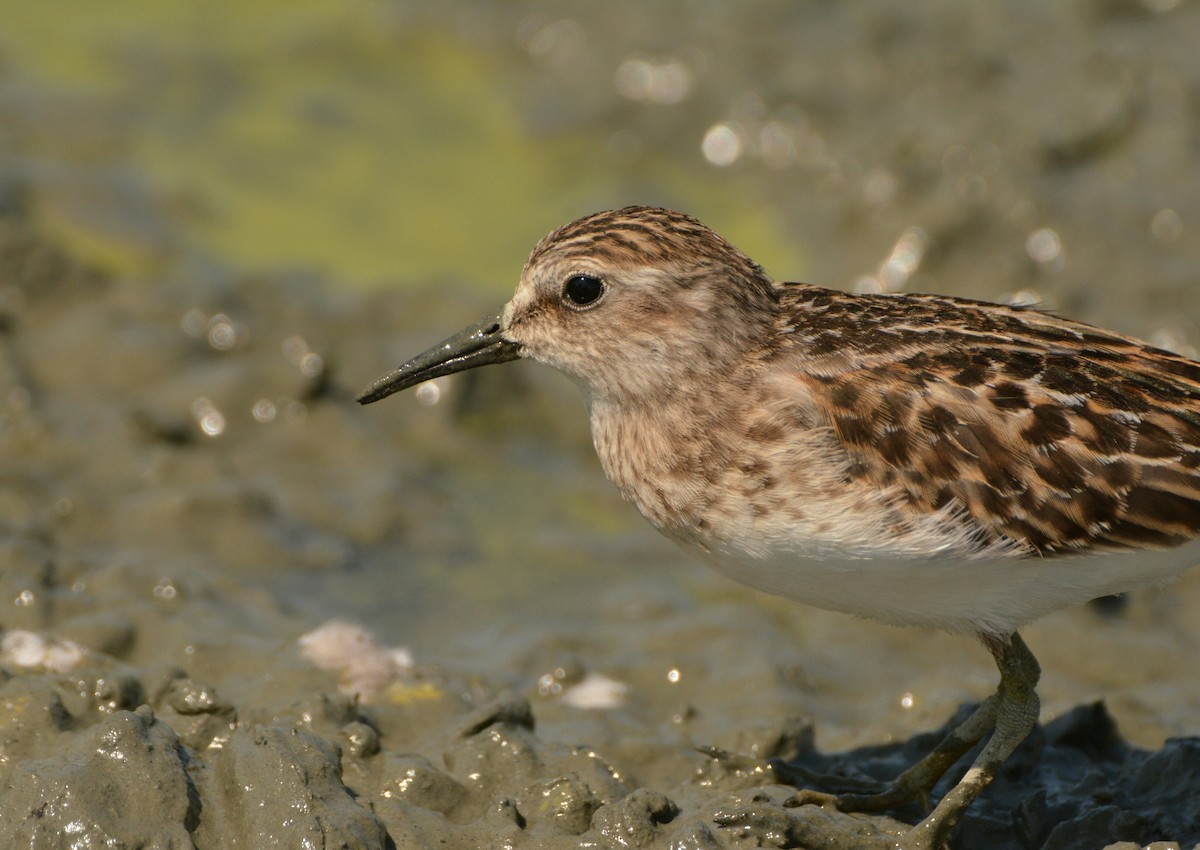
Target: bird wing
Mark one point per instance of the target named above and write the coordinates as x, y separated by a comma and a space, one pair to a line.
1047, 432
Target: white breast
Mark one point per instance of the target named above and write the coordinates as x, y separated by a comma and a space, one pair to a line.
995, 595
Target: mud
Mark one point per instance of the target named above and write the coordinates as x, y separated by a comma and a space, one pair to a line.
240, 611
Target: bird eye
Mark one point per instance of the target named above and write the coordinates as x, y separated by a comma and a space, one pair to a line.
582, 289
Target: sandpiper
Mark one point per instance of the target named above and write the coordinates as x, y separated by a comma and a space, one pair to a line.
914, 459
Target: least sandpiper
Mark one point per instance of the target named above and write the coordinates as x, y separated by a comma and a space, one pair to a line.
914, 459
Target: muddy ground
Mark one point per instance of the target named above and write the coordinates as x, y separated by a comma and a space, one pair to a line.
240, 611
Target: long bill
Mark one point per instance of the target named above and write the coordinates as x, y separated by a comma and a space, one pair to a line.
477, 345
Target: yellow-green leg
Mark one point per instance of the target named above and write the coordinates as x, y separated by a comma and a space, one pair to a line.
1016, 713
1009, 715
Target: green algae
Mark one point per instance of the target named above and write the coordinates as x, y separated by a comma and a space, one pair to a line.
342, 137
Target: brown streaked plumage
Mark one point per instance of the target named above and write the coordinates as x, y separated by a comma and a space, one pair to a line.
916, 459
1050, 433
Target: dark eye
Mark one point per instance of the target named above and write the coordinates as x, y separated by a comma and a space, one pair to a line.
582, 289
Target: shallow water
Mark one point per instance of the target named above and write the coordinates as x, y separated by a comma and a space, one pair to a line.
217, 223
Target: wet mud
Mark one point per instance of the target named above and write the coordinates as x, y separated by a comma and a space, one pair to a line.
158, 693
239, 611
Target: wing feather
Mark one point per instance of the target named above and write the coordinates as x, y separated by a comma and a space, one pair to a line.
1047, 432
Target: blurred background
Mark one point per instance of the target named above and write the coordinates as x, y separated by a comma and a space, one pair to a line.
219, 220
1027, 149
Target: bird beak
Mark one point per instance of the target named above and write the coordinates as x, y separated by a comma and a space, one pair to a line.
477, 345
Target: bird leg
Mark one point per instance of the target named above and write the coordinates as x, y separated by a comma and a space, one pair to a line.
1016, 713
1009, 714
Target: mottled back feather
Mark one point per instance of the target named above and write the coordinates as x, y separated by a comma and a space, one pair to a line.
1048, 432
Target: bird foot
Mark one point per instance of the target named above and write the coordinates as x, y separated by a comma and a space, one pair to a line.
891, 797
930, 834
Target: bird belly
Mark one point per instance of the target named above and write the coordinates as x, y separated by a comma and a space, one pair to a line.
992, 595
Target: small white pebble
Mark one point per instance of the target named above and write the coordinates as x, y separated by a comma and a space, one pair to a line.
365, 666
29, 649
596, 691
